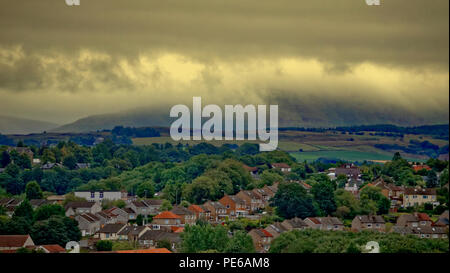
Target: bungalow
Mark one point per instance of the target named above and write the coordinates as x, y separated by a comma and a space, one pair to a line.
235, 206
324, 223
10, 204
130, 212
218, 212
166, 219
132, 232
281, 166
154, 205
294, 224
253, 201
187, 217
49, 166
35, 203
143, 208
79, 166
417, 196
261, 239
276, 229
51, 248
14, 242
151, 238
76, 208
120, 215
443, 220
57, 198
414, 220
109, 231
368, 222
422, 232
88, 223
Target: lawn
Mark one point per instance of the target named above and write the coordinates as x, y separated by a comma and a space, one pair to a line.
345, 155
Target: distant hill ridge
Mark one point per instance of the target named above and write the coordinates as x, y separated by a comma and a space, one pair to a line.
15, 125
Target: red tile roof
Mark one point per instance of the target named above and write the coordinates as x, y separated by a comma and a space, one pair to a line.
152, 250
266, 233
195, 208
423, 217
167, 215
250, 169
54, 248
13, 240
280, 165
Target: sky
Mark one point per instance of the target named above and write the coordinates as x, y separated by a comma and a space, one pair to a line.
316, 59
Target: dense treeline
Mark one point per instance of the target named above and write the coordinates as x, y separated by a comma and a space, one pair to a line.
317, 241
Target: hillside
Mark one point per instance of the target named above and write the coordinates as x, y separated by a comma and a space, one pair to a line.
14, 125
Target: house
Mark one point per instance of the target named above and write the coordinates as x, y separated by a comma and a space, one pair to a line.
414, 220
109, 231
51, 248
150, 238
79, 166
253, 201
307, 187
349, 170
263, 195
187, 217
419, 167
443, 220
166, 219
88, 223
10, 204
151, 250
276, 229
142, 208
130, 212
98, 196
76, 208
251, 170
120, 215
57, 198
154, 205
368, 222
271, 190
418, 196
422, 232
49, 166
218, 212
324, 223
391, 191
281, 166
22, 150
235, 206
261, 239
132, 232
35, 203
14, 242
294, 224
200, 212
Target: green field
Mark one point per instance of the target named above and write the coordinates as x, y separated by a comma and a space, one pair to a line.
345, 155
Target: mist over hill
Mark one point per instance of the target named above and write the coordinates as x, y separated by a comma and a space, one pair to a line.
294, 113
15, 125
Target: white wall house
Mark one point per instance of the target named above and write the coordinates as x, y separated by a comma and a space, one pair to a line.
98, 196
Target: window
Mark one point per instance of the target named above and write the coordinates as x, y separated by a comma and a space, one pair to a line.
101, 194
92, 194
414, 196
107, 235
166, 222
425, 197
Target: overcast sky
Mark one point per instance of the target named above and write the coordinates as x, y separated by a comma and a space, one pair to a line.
60, 63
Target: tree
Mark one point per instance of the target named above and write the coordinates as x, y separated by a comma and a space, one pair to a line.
323, 193
44, 212
55, 230
24, 210
200, 190
241, 242
70, 161
432, 180
166, 205
164, 244
373, 201
5, 159
145, 189
197, 238
33, 191
292, 200
104, 245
